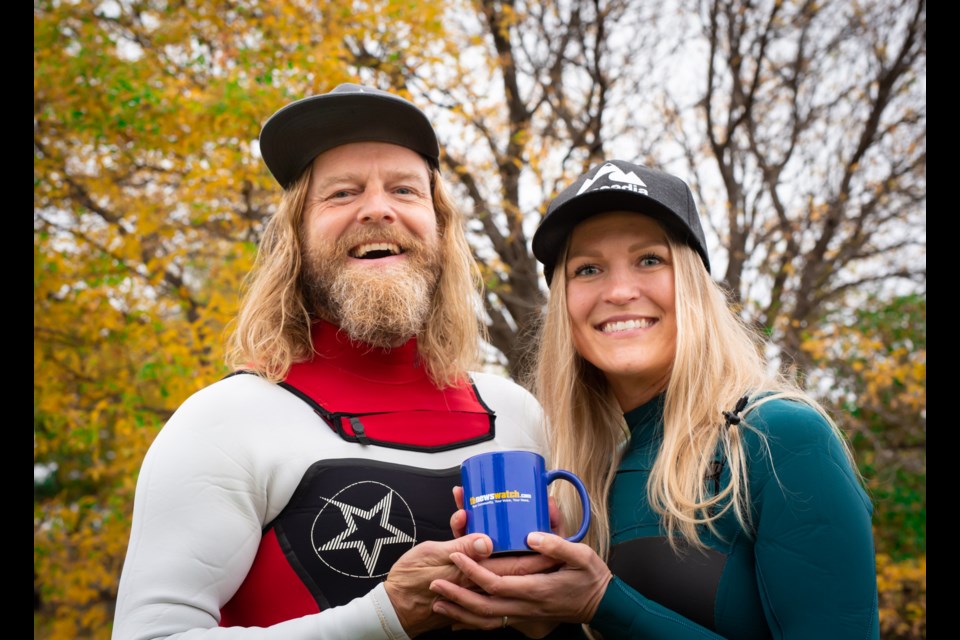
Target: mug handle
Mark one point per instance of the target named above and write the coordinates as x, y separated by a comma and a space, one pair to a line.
584, 500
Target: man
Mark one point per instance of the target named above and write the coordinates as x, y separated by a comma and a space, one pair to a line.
311, 497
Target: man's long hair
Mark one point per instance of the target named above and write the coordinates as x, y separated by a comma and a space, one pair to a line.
272, 329
718, 359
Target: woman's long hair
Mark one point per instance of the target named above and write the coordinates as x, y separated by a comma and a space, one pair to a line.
272, 329
718, 360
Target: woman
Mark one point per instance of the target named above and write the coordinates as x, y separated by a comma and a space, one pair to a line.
726, 501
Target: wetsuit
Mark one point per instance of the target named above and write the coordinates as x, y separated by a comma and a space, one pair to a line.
808, 574
252, 511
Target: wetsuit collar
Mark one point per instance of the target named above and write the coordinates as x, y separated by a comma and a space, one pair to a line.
397, 365
646, 421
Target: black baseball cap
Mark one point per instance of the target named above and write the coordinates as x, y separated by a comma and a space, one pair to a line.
300, 131
616, 185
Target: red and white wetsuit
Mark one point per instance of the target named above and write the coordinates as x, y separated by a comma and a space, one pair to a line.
253, 513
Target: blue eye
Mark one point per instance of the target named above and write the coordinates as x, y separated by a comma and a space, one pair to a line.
650, 260
586, 270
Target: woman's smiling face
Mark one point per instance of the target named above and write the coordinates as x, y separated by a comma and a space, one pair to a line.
620, 299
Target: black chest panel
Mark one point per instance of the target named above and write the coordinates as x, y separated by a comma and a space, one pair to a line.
349, 521
686, 583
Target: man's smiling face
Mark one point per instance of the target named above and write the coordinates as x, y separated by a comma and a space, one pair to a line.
371, 245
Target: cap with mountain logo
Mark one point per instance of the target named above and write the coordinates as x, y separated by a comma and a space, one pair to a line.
617, 185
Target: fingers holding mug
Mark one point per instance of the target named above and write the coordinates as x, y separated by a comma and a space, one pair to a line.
458, 521
472, 610
466, 619
468, 608
556, 518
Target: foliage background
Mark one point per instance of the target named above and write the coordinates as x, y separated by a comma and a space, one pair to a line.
802, 126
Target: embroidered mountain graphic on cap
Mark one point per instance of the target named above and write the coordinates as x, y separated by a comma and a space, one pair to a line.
610, 176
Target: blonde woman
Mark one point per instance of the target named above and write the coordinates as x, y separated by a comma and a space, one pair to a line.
726, 501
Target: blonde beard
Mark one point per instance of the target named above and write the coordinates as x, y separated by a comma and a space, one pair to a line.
379, 307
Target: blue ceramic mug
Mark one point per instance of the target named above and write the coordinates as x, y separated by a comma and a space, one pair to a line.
505, 497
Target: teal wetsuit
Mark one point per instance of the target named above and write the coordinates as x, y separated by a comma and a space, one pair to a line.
807, 574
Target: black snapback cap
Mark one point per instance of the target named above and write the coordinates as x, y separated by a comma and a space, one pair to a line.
616, 185
300, 131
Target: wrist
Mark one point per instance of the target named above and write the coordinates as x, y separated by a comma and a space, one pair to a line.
594, 602
395, 599
404, 607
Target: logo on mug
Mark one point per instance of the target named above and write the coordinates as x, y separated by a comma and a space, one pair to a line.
500, 496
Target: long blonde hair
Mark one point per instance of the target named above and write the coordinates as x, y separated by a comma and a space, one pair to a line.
272, 329
718, 360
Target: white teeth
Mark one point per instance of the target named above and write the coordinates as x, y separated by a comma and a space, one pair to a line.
364, 249
626, 325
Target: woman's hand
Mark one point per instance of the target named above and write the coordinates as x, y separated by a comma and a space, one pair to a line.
571, 593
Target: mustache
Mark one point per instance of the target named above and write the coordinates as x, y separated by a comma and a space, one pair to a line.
406, 241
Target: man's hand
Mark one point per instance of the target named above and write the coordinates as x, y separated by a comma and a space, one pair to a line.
408, 583
458, 521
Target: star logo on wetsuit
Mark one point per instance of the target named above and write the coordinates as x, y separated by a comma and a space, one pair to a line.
366, 530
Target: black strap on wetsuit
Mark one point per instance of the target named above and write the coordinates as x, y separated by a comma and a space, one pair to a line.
732, 419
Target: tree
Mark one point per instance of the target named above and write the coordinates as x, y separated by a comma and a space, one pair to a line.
801, 124
149, 198
529, 102
872, 362
813, 117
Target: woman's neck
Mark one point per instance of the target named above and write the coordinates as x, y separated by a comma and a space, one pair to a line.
633, 392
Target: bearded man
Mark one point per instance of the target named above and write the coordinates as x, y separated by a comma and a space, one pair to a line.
311, 496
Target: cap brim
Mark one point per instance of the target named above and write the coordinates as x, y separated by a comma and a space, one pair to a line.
296, 134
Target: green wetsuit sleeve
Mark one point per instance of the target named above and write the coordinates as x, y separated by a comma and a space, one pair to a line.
625, 613
815, 562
